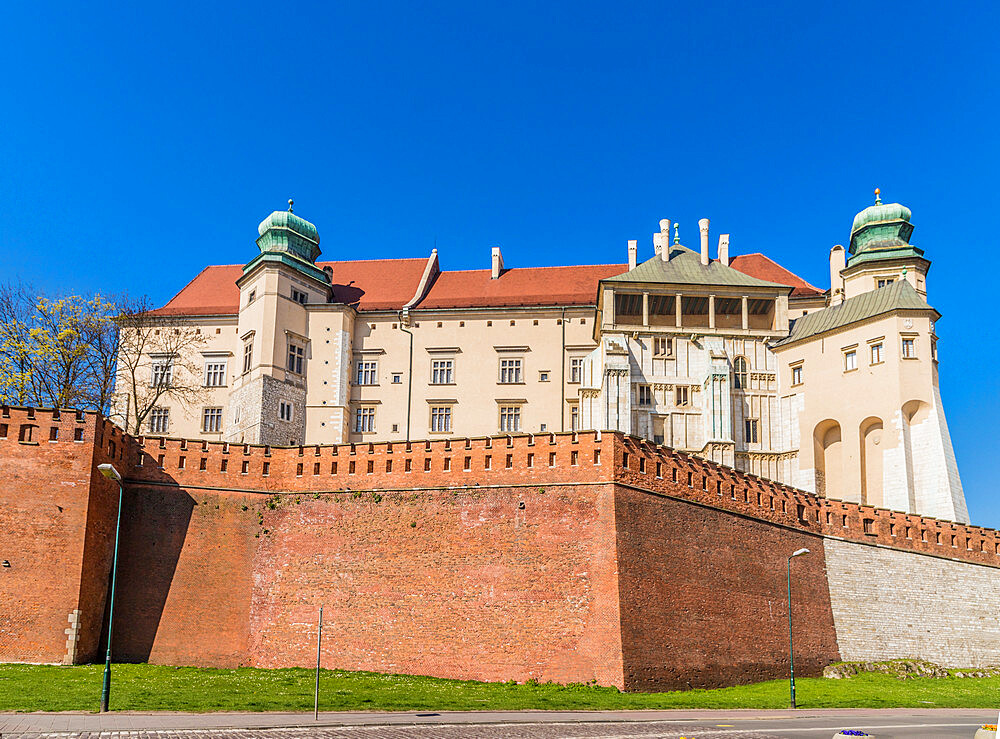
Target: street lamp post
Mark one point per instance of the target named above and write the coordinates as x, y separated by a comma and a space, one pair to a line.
791, 651
112, 474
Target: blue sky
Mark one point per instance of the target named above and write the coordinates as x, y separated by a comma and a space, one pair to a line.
141, 141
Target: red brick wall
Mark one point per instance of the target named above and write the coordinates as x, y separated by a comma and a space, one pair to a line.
630, 564
453, 583
703, 596
45, 505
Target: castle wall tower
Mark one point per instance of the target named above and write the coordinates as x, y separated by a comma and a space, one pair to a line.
267, 404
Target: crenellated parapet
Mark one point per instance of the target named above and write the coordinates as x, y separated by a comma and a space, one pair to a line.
586, 457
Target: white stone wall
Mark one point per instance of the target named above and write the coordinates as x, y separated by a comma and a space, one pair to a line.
889, 604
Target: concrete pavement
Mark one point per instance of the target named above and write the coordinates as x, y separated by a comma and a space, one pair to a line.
745, 724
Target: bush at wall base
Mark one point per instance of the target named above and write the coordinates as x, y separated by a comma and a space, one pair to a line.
986, 731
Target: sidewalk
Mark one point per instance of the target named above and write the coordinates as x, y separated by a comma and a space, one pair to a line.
20, 723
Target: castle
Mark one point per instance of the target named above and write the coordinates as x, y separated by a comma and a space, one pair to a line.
732, 358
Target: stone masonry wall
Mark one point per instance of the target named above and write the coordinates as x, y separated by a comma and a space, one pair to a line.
889, 604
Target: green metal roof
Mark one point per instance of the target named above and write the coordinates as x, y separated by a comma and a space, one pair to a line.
684, 267
900, 295
881, 231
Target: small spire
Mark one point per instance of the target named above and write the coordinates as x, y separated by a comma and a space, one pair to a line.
878, 200
290, 203
677, 235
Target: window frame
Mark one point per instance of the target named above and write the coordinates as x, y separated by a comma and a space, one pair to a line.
213, 414
796, 374
910, 340
159, 421
296, 355
751, 431
509, 415
678, 391
247, 355
442, 366
366, 372
159, 368
668, 346
510, 371
741, 377
282, 405
441, 412
365, 419
220, 374
576, 370
850, 359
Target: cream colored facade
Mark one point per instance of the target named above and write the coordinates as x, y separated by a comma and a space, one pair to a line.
834, 392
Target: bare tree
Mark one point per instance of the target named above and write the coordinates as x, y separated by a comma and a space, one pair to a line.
157, 361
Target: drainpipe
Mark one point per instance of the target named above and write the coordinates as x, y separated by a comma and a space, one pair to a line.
562, 377
409, 372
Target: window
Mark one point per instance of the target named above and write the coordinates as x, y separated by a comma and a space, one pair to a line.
215, 373
159, 420
909, 348
252, 297
510, 418
576, 369
367, 373
797, 374
543, 376
163, 372
663, 346
247, 355
883, 281
682, 398
574, 418
441, 419
285, 411
442, 371
740, 372
850, 360
364, 420
397, 378
300, 297
510, 371
750, 426
876, 351
295, 355
644, 395
211, 420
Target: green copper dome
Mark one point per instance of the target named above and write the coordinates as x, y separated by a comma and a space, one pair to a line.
285, 231
285, 237
881, 231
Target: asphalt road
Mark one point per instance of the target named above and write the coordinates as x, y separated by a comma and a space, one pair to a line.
941, 724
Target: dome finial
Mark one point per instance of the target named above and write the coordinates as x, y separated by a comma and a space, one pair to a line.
677, 235
878, 200
290, 203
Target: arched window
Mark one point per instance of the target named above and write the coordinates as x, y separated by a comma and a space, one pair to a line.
740, 372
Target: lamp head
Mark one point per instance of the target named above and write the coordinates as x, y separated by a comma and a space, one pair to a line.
109, 471
799, 552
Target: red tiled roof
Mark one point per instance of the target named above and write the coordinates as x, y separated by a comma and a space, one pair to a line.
388, 284
763, 268
523, 286
375, 284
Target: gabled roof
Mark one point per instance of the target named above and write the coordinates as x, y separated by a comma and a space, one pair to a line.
764, 268
575, 285
684, 267
899, 295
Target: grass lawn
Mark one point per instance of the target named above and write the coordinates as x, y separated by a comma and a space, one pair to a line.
152, 688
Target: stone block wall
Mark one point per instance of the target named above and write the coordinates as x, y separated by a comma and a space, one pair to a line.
889, 604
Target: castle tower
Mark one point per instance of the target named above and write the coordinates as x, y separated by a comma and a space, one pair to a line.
268, 402
880, 252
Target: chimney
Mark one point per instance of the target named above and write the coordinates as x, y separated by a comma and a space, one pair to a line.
838, 261
703, 227
497, 260
633, 249
724, 249
664, 239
